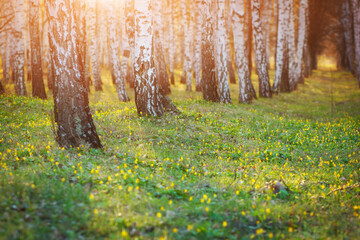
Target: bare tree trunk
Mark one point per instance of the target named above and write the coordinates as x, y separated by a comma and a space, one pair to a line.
347, 25
160, 64
281, 46
5, 35
148, 97
172, 45
291, 47
260, 51
221, 53
209, 83
38, 88
242, 66
114, 53
130, 31
249, 33
94, 45
356, 20
187, 74
300, 76
19, 47
229, 59
198, 43
71, 106
2, 90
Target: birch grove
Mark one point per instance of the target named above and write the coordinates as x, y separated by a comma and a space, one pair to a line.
213, 42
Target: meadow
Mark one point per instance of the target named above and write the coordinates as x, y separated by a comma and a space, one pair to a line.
281, 168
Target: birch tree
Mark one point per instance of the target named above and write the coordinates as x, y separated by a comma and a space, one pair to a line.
241, 60
221, 53
148, 98
71, 106
291, 47
198, 43
187, 66
347, 26
172, 45
19, 47
6, 41
260, 51
161, 70
130, 31
114, 53
232, 77
94, 45
356, 19
281, 47
209, 83
302, 39
38, 88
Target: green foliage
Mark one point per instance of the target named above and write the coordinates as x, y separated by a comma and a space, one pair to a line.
207, 173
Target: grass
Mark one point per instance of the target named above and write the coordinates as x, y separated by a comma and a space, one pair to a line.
208, 173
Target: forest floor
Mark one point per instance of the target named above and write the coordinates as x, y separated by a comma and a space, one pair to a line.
282, 168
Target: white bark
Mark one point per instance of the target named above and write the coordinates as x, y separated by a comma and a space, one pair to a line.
198, 56
221, 53
71, 104
94, 45
19, 46
124, 42
302, 33
172, 44
281, 44
291, 47
187, 74
148, 98
241, 61
260, 51
114, 53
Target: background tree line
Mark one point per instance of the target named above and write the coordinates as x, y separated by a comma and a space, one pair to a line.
64, 44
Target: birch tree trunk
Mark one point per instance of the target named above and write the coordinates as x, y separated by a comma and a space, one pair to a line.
114, 53
38, 88
19, 47
160, 64
130, 31
347, 25
197, 48
304, 4
281, 46
71, 106
172, 44
260, 51
209, 83
5, 38
356, 19
291, 47
187, 74
229, 60
249, 33
241, 61
184, 26
148, 97
94, 46
221, 53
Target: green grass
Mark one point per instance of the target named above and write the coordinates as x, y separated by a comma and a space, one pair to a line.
203, 174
